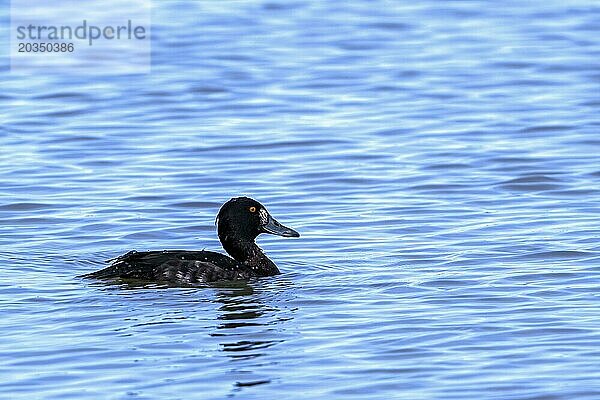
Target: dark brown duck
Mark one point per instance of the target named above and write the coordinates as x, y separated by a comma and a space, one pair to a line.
239, 222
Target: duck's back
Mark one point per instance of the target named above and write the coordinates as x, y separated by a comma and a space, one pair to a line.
177, 266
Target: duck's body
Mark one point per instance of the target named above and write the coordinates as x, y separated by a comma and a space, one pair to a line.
177, 266
239, 221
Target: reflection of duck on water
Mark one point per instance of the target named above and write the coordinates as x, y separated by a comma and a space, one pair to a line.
239, 310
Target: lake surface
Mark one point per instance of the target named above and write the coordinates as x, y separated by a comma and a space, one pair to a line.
440, 160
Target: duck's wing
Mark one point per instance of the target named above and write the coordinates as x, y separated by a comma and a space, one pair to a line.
177, 266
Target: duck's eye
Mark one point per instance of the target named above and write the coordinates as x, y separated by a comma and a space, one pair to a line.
252, 209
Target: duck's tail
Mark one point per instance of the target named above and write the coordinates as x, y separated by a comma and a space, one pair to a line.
114, 270
111, 271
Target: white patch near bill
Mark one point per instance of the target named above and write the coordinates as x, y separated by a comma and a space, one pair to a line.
264, 216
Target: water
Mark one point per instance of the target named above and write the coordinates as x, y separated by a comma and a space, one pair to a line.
440, 160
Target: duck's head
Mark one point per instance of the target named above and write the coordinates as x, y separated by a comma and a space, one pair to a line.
243, 219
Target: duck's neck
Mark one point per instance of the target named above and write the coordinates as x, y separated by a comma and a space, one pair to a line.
248, 253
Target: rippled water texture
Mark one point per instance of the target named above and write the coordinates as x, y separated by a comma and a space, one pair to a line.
440, 160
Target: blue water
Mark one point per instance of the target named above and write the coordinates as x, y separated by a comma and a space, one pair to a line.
440, 160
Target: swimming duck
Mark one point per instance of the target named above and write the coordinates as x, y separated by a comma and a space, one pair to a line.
239, 221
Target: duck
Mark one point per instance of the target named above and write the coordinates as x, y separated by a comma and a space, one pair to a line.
239, 222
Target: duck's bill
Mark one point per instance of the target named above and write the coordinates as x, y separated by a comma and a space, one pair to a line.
275, 228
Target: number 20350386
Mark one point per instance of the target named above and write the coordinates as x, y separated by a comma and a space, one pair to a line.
46, 47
